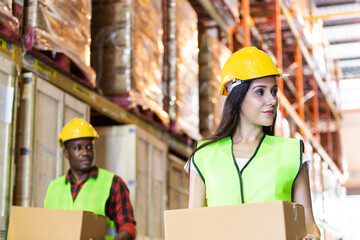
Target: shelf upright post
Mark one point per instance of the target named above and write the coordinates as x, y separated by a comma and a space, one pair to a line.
329, 140
245, 5
315, 106
299, 84
278, 43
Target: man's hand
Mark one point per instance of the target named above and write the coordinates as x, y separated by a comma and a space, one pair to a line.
123, 235
311, 237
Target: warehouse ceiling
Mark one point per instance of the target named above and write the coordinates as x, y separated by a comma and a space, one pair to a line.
341, 22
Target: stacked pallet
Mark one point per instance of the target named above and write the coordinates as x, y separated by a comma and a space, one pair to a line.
228, 9
9, 24
183, 68
63, 27
127, 53
212, 57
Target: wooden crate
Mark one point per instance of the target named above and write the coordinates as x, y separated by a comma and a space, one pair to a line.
73, 108
44, 109
178, 183
8, 86
139, 158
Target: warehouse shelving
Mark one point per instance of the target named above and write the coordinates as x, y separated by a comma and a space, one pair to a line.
241, 36
9, 94
323, 87
100, 103
209, 10
118, 114
309, 135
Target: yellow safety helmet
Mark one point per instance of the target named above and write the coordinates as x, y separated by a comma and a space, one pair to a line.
77, 128
246, 64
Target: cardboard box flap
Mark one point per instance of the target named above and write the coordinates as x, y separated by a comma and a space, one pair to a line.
90, 226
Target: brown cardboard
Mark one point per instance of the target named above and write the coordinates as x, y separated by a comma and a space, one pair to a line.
257, 221
40, 223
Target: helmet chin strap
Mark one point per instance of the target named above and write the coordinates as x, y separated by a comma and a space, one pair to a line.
230, 85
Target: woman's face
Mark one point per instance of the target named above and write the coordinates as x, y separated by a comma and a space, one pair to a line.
260, 102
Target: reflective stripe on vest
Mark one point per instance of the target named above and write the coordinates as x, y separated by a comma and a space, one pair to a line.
268, 176
92, 196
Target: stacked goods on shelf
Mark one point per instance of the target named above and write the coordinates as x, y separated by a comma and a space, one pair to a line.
301, 8
8, 116
316, 37
228, 9
334, 193
9, 24
316, 186
327, 194
139, 158
322, 57
183, 68
61, 27
212, 57
127, 53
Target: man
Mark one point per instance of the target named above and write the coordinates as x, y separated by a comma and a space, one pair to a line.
88, 188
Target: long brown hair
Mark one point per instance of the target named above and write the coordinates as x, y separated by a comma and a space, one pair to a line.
230, 116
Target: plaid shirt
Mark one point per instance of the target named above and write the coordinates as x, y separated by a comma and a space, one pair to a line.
118, 207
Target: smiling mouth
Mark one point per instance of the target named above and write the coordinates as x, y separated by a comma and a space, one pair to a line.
269, 112
86, 161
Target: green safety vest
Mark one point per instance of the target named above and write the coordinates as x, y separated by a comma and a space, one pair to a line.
268, 175
92, 197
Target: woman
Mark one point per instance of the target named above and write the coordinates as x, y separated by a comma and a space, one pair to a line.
243, 162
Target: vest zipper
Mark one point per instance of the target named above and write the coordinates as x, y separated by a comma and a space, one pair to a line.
239, 173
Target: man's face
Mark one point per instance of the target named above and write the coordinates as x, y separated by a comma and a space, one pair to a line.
80, 153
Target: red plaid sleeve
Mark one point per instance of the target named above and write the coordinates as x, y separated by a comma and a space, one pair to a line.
119, 209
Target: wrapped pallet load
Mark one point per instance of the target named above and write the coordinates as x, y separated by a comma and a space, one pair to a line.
61, 26
212, 56
183, 68
228, 9
127, 53
7, 20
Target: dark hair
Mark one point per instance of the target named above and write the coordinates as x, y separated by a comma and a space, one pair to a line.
230, 116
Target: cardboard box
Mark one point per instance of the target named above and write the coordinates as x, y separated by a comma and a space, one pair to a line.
257, 221
40, 223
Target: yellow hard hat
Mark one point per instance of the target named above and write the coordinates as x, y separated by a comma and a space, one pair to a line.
77, 128
246, 64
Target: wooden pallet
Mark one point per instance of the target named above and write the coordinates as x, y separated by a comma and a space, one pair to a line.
56, 60
124, 100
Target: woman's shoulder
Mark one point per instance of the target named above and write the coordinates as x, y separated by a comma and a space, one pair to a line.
285, 142
282, 139
214, 144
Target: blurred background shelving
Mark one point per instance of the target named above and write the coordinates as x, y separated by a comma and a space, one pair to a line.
148, 70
